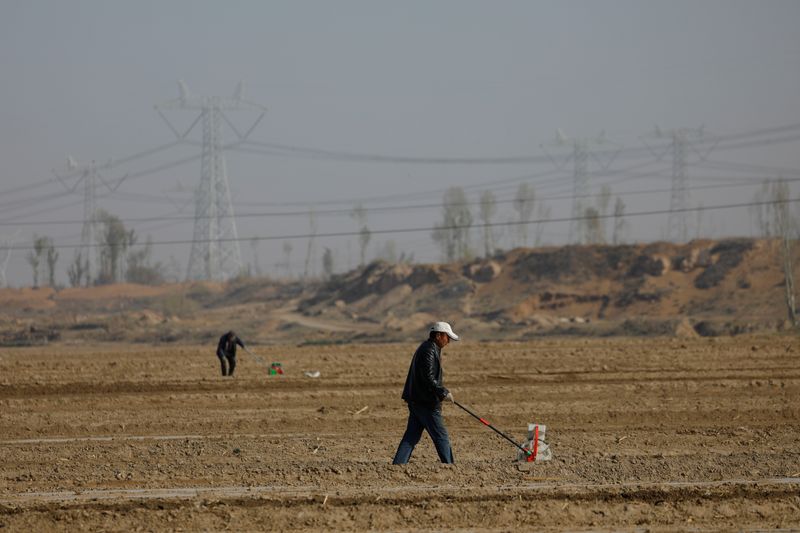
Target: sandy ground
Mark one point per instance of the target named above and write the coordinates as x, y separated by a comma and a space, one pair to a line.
647, 435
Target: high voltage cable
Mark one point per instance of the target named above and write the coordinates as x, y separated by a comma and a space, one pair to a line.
383, 208
487, 184
413, 159
744, 167
20, 204
432, 228
365, 157
388, 158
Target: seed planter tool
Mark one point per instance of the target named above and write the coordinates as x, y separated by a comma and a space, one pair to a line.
530, 455
258, 359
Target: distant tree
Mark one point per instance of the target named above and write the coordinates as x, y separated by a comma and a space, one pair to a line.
452, 234
254, 242
78, 271
698, 220
603, 202
6, 249
593, 226
327, 263
594, 218
173, 270
114, 243
359, 213
140, 269
488, 208
542, 216
35, 257
524, 204
52, 258
312, 222
287, 254
619, 221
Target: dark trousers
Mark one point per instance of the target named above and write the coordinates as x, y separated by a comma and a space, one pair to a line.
420, 418
227, 371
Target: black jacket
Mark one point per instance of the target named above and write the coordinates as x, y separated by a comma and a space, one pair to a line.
228, 349
424, 382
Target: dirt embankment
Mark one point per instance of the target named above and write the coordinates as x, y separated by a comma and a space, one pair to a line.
704, 288
700, 288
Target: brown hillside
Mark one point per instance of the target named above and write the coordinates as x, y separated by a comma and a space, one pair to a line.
732, 285
702, 287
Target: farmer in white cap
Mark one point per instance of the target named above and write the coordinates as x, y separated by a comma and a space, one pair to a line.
424, 393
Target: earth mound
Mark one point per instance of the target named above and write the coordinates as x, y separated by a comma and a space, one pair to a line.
703, 287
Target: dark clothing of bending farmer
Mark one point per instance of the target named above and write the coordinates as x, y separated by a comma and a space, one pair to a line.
226, 351
424, 392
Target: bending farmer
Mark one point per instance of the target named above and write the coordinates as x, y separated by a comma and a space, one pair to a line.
226, 350
424, 393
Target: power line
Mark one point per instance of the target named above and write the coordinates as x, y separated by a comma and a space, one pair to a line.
348, 211
276, 149
304, 213
431, 228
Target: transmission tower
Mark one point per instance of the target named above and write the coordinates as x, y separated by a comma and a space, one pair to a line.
215, 253
676, 223
580, 177
89, 251
580, 188
680, 141
89, 248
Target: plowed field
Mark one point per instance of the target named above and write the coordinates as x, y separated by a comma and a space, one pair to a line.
646, 434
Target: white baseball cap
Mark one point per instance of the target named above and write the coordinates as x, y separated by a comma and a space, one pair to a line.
444, 327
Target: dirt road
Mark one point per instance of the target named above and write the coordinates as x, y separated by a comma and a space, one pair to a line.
647, 434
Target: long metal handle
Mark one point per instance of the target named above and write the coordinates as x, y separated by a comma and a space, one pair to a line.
258, 359
487, 424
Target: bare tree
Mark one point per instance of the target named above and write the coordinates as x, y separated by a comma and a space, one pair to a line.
618, 234
593, 226
6, 248
40, 245
115, 241
359, 213
488, 208
52, 258
78, 270
542, 216
594, 218
603, 201
327, 263
452, 234
140, 268
524, 203
254, 242
364, 237
312, 222
388, 251
287, 253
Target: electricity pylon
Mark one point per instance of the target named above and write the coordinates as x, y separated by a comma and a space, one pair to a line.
580, 177
89, 251
680, 141
215, 253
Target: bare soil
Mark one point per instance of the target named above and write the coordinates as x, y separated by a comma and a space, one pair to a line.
648, 434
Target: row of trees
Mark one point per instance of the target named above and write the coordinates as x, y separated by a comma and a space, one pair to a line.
530, 216
121, 258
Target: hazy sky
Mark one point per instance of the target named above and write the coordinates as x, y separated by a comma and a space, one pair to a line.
422, 79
